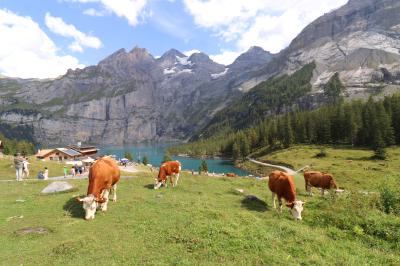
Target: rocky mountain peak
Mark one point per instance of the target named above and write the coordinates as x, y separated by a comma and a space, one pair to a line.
254, 57
172, 53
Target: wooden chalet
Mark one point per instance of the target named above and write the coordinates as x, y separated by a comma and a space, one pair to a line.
58, 154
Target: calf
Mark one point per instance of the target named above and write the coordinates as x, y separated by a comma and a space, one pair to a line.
168, 169
281, 184
103, 177
320, 180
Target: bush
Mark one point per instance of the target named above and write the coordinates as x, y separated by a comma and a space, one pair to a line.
389, 192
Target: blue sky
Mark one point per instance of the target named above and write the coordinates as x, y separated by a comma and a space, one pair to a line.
44, 38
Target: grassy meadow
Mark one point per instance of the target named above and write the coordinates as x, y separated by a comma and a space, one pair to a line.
7, 170
204, 221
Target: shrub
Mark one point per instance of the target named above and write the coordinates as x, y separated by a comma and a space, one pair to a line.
389, 192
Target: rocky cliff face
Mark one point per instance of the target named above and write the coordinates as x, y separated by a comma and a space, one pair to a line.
128, 97
360, 41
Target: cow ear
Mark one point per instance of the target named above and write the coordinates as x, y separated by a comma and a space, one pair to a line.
290, 205
78, 199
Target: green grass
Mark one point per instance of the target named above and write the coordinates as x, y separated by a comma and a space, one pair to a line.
7, 170
352, 168
201, 222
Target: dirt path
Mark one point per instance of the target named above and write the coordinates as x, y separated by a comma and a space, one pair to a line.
286, 169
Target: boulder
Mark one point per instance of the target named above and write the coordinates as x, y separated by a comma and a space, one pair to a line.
58, 186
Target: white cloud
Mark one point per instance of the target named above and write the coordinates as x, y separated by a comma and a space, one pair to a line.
128, 9
58, 26
225, 57
270, 24
190, 52
27, 52
95, 13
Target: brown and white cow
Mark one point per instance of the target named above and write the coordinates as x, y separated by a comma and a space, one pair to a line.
319, 180
170, 169
103, 177
282, 185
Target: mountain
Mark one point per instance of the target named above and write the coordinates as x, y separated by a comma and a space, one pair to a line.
128, 97
132, 96
359, 41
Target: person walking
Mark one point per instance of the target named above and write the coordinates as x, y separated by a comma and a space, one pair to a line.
19, 165
72, 171
65, 171
46, 173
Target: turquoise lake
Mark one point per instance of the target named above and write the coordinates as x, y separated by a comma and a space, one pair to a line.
155, 154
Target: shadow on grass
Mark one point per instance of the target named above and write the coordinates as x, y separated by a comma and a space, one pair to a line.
253, 203
74, 208
149, 186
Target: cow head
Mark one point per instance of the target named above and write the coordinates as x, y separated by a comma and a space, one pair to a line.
296, 207
90, 204
333, 184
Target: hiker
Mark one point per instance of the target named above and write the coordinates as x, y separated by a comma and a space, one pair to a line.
46, 173
19, 165
25, 170
65, 171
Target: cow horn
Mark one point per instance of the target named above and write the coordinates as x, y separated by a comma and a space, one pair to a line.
78, 199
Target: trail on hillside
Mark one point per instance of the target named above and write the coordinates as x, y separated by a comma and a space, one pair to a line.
284, 168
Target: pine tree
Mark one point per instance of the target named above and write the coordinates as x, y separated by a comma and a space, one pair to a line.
204, 166
235, 151
333, 89
287, 137
379, 148
145, 160
167, 157
128, 156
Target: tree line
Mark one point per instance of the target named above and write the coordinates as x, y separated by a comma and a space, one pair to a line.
13, 146
372, 124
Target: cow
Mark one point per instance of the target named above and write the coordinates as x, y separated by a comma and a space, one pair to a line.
230, 174
282, 185
168, 169
103, 177
320, 180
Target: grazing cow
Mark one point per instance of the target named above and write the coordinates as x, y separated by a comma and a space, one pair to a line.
282, 185
318, 179
168, 169
230, 174
103, 177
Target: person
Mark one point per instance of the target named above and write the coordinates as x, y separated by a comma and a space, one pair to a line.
72, 171
65, 171
19, 165
25, 168
40, 175
46, 173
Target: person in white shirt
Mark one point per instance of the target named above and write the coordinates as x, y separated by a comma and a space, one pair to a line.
25, 171
46, 173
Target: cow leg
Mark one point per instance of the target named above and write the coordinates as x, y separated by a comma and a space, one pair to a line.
103, 206
309, 190
273, 200
171, 180
280, 204
114, 192
176, 179
322, 192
